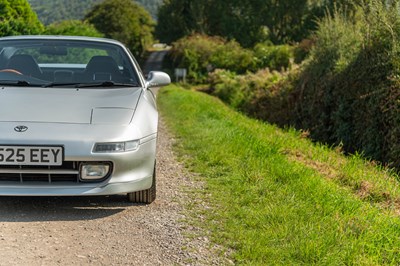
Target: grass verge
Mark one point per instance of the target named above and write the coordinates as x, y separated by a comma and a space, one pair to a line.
279, 199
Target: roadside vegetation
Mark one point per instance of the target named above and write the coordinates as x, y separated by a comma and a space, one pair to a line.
202, 55
277, 197
340, 85
348, 91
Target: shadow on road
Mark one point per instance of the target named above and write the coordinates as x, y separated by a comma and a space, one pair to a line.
33, 209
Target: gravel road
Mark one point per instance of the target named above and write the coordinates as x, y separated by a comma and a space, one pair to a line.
108, 230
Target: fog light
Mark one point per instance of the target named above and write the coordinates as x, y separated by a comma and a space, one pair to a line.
94, 171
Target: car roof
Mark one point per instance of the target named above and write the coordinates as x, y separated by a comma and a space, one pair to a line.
61, 37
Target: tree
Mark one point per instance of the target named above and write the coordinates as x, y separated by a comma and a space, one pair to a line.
17, 18
50, 11
151, 6
58, 10
125, 21
73, 28
179, 18
246, 21
240, 20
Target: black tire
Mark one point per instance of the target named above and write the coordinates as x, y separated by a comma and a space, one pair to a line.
145, 196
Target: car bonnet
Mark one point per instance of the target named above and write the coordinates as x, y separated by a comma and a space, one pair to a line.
67, 105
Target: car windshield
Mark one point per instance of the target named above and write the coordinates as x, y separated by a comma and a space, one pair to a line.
65, 62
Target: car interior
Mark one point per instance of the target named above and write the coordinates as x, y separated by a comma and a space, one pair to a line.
25, 64
43, 64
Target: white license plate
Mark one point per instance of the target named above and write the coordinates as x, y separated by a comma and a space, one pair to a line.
31, 155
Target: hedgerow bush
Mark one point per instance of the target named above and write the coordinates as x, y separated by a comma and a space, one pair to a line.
264, 94
348, 92
274, 57
233, 57
200, 54
302, 50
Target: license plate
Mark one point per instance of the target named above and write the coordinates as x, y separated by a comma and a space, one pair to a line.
31, 155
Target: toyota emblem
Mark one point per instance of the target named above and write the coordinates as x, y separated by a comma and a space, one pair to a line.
21, 128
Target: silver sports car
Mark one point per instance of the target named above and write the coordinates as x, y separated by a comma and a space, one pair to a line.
76, 118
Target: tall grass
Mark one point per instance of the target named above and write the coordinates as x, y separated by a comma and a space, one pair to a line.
277, 198
348, 91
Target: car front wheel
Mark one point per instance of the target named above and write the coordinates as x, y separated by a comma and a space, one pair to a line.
144, 196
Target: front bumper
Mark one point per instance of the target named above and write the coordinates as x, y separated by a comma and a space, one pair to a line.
79, 190
132, 171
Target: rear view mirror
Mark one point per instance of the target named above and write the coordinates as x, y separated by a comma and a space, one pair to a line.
157, 79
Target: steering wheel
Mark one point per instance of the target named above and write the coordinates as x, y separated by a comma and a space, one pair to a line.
10, 70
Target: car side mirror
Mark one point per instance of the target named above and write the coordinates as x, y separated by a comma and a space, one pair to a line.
157, 79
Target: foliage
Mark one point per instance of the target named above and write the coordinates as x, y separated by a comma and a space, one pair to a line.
151, 6
180, 18
273, 197
345, 94
232, 56
59, 10
51, 11
72, 28
17, 18
200, 54
348, 92
125, 21
246, 21
276, 57
302, 50
264, 94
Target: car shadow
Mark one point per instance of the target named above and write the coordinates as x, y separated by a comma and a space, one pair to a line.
34, 209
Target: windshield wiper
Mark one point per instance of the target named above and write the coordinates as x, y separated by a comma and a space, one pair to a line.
22, 83
105, 84
56, 84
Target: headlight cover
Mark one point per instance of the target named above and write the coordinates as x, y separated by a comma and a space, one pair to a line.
115, 147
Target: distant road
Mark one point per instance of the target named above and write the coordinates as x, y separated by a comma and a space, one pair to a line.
154, 62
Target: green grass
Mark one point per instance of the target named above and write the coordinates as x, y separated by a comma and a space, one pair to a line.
279, 199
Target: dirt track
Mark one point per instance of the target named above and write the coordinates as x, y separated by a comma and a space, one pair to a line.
106, 230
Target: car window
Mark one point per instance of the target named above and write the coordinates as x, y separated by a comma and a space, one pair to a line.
61, 54
66, 61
